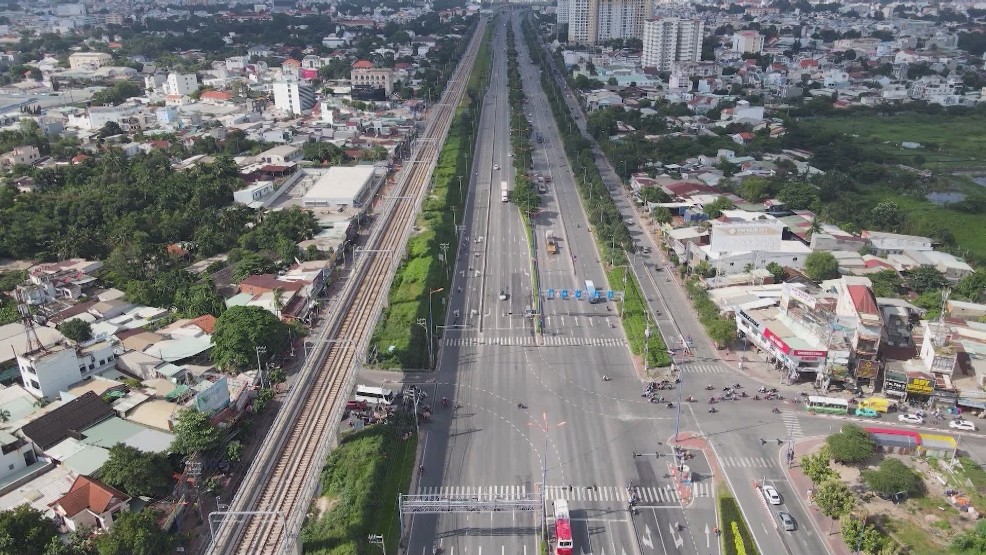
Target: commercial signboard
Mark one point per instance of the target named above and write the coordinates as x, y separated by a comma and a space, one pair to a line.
749, 321
867, 369
214, 398
777, 341
920, 385
801, 296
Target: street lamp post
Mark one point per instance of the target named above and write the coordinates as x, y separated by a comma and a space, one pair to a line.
260, 370
444, 247
423, 322
544, 427
431, 353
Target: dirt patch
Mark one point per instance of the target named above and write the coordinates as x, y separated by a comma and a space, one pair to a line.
325, 504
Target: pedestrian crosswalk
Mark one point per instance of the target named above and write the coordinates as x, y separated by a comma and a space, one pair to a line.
791, 425
528, 341
689, 368
746, 462
649, 495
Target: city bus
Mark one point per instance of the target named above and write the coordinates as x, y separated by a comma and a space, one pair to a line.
828, 405
563, 528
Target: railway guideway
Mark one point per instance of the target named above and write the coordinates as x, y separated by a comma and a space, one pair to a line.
271, 504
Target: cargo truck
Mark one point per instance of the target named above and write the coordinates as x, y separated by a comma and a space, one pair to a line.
549, 240
504, 192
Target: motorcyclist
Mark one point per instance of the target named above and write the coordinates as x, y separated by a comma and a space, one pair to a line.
712, 410
605, 378
775, 410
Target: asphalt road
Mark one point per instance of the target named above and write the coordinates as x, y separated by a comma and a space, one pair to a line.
493, 362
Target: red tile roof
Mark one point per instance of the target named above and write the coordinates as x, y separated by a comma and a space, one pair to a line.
863, 299
291, 62
207, 322
89, 493
216, 95
363, 64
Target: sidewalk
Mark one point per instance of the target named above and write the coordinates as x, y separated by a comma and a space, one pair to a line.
801, 484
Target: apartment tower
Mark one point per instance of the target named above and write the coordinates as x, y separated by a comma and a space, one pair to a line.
671, 39
597, 21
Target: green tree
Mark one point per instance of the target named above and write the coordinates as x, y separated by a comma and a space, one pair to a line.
201, 298
816, 467
194, 433
777, 271
834, 499
662, 215
925, 278
26, 531
887, 216
76, 329
252, 265
722, 331
714, 209
240, 330
799, 196
972, 286
851, 445
893, 476
135, 534
234, 451
821, 265
137, 473
886, 283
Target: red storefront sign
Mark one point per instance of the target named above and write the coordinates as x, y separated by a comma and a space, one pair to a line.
777, 341
803, 354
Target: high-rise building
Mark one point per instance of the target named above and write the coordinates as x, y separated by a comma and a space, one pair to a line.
181, 83
671, 39
596, 21
562, 12
294, 97
747, 41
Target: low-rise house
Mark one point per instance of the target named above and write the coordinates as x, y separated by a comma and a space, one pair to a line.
20, 156
90, 503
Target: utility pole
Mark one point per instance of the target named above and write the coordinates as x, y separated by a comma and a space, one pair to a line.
431, 354
260, 370
544, 427
444, 247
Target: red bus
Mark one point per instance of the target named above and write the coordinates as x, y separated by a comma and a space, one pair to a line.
563, 528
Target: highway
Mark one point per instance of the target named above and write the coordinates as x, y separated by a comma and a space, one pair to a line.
270, 506
494, 362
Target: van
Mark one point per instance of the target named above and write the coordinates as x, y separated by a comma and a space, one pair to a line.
375, 395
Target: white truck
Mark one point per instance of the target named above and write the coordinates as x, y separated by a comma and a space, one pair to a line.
504, 192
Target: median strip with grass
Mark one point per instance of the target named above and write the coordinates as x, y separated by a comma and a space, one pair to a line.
736, 538
398, 341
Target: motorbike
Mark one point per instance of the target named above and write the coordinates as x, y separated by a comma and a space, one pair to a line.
756, 397
743, 394
606, 378
709, 388
775, 410
444, 402
712, 410
691, 399
670, 405
521, 406
712, 400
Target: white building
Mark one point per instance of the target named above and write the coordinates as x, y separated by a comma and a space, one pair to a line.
562, 12
182, 84
294, 97
595, 21
15, 454
47, 372
254, 194
747, 42
88, 60
340, 186
671, 39
736, 246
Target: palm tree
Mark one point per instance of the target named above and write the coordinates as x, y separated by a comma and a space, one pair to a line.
4, 415
278, 294
815, 227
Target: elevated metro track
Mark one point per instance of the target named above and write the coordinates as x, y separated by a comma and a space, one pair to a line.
266, 515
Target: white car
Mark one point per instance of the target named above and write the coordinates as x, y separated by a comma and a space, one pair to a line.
496, 166
771, 494
911, 419
962, 425
503, 295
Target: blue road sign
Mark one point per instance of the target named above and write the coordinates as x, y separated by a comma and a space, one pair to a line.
578, 293
551, 293
564, 293
593, 294
609, 295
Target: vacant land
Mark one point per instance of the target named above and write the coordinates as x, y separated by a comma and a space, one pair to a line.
948, 142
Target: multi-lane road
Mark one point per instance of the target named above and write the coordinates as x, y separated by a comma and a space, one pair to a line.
495, 362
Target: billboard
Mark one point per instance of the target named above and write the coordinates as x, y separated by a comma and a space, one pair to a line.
920, 385
801, 296
777, 341
867, 369
213, 398
309, 73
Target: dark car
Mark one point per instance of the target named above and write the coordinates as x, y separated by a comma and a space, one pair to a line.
356, 405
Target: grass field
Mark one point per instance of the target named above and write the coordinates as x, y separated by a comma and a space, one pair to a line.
399, 342
948, 141
360, 483
967, 228
729, 515
635, 320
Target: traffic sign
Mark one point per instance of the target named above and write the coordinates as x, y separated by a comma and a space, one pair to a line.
578, 294
609, 295
564, 293
551, 293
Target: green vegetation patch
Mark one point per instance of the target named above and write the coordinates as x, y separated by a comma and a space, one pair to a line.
736, 537
635, 320
360, 483
399, 342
